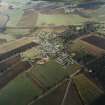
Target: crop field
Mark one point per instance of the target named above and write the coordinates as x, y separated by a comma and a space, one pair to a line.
14, 18
96, 41
73, 97
19, 3
14, 44
31, 54
58, 20
19, 91
80, 45
7, 37
55, 97
77, 46
48, 74
88, 91
17, 32
73, 68
28, 19
3, 20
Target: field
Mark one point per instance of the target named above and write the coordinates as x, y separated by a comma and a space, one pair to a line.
7, 37
73, 97
96, 41
80, 45
55, 97
3, 21
19, 91
15, 44
31, 54
88, 91
58, 20
14, 18
19, 3
73, 68
48, 74
28, 19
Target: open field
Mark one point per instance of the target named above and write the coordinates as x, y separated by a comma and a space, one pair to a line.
19, 91
28, 19
73, 68
80, 45
31, 54
17, 32
73, 97
14, 18
19, 3
88, 91
58, 20
15, 44
15, 47
55, 97
3, 20
6, 37
54, 29
48, 74
96, 41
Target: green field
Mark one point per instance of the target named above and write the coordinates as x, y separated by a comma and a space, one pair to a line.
59, 19
48, 74
55, 97
7, 37
31, 54
19, 91
14, 18
88, 91
15, 44
73, 68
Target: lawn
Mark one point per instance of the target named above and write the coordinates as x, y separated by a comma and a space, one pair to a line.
88, 91
59, 19
19, 91
48, 74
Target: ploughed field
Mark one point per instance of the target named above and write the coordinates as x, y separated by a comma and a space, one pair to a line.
96, 41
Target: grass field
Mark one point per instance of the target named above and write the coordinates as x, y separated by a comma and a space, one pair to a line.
31, 54
80, 45
72, 97
73, 68
15, 44
48, 74
7, 37
14, 18
88, 91
55, 97
57, 20
19, 91
28, 19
